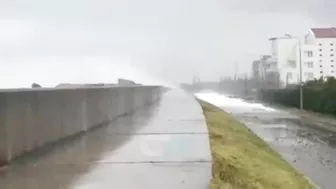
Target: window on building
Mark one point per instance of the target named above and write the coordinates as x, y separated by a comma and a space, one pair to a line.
331, 60
320, 44
310, 64
321, 66
321, 72
310, 75
332, 65
331, 44
292, 63
332, 55
309, 53
320, 60
289, 75
320, 54
331, 49
320, 49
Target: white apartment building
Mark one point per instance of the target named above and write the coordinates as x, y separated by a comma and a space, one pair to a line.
310, 69
284, 60
318, 58
319, 48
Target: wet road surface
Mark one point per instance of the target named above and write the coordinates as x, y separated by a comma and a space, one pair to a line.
163, 146
311, 151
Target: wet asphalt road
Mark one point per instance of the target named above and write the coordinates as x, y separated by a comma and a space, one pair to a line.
311, 151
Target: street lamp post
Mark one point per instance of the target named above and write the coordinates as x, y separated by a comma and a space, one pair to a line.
300, 62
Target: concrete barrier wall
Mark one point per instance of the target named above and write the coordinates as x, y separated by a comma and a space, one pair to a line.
125, 82
32, 118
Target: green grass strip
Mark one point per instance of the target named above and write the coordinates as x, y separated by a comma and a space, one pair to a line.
241, 160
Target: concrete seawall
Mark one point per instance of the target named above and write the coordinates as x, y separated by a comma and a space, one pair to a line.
126, 82
32, 118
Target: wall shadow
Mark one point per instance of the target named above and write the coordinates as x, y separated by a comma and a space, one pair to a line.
59, 164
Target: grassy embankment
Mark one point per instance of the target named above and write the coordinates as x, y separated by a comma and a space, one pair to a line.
241, 160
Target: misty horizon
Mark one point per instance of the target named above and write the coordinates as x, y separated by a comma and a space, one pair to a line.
172, 41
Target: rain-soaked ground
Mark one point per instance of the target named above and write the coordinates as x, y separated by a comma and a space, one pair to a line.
311, 151
163, 146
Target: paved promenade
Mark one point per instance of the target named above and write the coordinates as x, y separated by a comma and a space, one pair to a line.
164, 146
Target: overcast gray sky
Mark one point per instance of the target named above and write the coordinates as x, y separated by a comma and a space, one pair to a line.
173, 40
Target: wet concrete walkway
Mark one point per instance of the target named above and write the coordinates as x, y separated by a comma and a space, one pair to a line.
163, 146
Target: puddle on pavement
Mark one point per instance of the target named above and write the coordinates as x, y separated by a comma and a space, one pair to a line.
310, 150
331, 140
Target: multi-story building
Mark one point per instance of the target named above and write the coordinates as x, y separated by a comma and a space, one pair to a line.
284, 60
255, 69
310, 69
318, 58
319, 52
264, 70
281, 68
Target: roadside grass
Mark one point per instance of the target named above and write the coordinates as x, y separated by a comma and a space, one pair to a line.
241, 160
